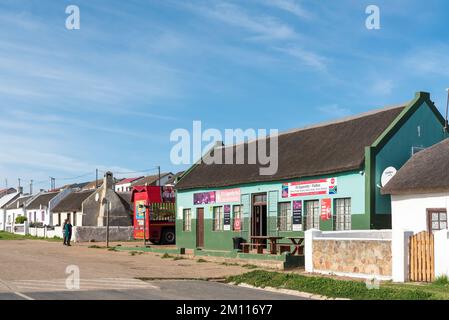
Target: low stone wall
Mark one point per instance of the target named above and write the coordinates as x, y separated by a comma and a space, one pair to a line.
370, 257
98, 234
364, 254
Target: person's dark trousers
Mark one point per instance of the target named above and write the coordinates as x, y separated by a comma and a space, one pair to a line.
67, 242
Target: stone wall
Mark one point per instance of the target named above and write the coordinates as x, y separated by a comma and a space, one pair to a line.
98, 234
368, 257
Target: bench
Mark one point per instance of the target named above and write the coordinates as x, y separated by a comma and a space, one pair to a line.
246, 247
284, 247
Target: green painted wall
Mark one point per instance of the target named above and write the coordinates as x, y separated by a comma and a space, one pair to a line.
349, 184
398, 149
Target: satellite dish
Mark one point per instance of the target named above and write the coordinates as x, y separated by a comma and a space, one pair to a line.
387, 175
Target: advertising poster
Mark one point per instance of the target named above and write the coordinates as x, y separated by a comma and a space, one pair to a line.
310, 188
140, 210
326, 209
227, 217
230, 195
204, 197
297, 215
237, 224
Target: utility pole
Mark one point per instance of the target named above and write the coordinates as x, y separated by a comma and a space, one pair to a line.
6, 183
447, 113
159, 175
31, 187
96, 178
52, 183
19, 182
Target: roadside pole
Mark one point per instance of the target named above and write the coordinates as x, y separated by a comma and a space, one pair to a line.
107, 225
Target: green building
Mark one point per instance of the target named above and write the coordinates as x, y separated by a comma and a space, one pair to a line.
329, 177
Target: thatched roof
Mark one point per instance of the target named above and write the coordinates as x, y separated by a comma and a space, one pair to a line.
41, 200
19, 202
318, 150
426, 172
73, 201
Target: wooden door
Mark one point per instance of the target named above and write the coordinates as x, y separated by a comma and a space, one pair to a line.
421, 253
200, 227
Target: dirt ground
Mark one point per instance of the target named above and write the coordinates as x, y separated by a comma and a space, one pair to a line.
45, 260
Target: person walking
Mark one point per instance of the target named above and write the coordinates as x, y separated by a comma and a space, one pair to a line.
63, 232
68, 232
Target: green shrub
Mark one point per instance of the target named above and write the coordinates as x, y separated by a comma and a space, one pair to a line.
21, 219
441, 281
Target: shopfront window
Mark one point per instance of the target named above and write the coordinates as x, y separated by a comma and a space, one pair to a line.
187, 220
237, 218
218, 219
342, 214
312, 214
284, 216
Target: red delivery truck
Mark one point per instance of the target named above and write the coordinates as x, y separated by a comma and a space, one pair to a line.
154, 211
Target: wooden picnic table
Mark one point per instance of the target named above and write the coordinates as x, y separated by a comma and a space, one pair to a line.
273, 242
298, 243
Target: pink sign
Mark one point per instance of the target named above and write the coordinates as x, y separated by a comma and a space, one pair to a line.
229, 195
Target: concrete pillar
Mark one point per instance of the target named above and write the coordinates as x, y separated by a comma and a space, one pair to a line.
441, 247
309, 235
399, 251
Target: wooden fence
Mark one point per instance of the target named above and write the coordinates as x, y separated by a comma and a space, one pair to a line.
421, 253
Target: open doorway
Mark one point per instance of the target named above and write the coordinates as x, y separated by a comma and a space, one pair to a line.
259, 215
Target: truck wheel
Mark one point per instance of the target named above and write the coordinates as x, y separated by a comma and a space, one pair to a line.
168, 236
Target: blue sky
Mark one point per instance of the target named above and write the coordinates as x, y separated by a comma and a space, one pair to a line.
108, 95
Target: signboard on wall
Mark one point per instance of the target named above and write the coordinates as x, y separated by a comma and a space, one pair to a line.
229, 195
310, 188
297, 216
227, 218
326, 209
204, 197
237, 224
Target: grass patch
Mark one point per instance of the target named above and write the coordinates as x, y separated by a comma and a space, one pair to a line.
113, 249
11, 236
201, 260
95, 247
228, 264
133, 253
335, 288
441, 281
166, 256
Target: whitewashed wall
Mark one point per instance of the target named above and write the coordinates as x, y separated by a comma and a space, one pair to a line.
408, 212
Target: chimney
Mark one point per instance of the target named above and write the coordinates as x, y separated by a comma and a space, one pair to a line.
20, 190
108, 181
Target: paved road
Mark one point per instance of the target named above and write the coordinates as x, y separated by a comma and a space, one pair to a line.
132, 289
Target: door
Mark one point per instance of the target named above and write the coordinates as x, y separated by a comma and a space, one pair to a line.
200, 227
259, 216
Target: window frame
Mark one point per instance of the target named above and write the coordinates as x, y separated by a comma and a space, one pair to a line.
306, 215
220, 220
240, 217
429, 212
347, 217
187, 223
288, 217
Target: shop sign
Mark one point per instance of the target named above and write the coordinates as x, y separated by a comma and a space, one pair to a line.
229, 195
227, 218
326, 209
310, 188
297, 215
204, 197
237, 224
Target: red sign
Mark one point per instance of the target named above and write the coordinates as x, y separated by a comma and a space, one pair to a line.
326, 209
237, 224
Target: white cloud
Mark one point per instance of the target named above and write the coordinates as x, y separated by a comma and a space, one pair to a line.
307, 58
291, 6
334, 111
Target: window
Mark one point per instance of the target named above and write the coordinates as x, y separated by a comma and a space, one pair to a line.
237, 214
218, 219
187, 220
437, 219
285, 216
312, 214
342, 214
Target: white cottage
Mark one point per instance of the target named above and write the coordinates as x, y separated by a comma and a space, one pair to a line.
5, 200
420, 191
15, 209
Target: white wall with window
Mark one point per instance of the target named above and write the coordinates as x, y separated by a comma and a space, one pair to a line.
218, 219
342, 214
420, 212
187, 220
